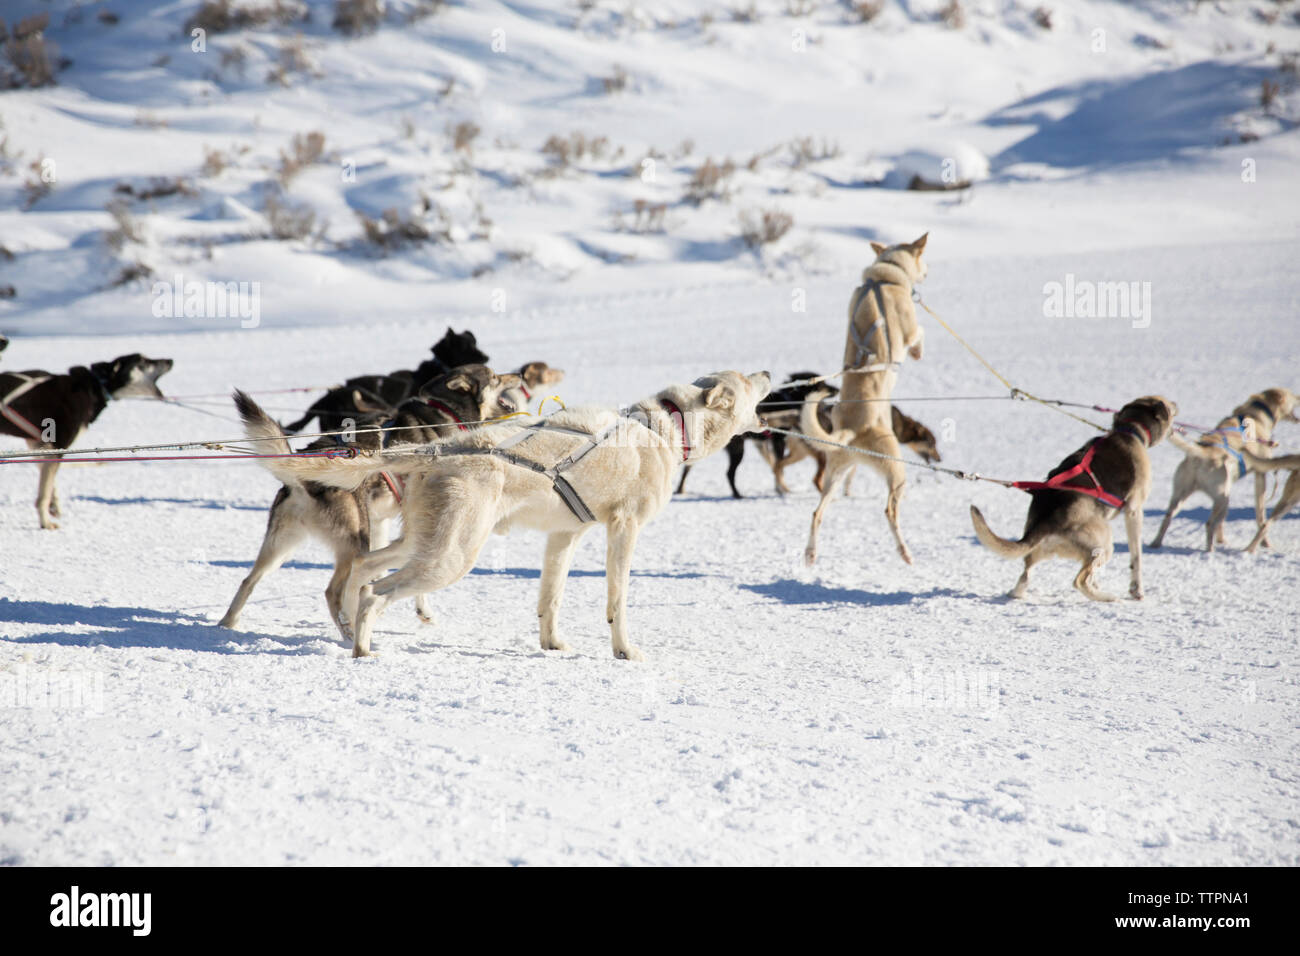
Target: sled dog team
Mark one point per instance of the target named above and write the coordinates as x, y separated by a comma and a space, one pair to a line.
450, 448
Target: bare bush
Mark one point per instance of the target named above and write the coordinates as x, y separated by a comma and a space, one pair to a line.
392, 230
953, 16
462, 135
806, 149
424, 8
566, 150
31, 59
38, 184
304, 150
1043, 17
799, 8
214, 162
747, 14
134, 272
710, 181
288, 220
223, 16
126, 228
617, 82
293, 58
763, 227
159, 187
866, 10
1268, 91
650, 217
358, 17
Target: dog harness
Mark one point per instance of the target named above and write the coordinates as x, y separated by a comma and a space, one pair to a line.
863, 340
26, 384
568, 494
1058, 482
434, 403
1219, 438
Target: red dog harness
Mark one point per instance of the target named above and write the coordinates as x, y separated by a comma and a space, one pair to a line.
676, 415
434, 403
1058, 482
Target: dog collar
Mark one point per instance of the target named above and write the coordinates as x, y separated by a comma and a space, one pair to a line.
1131, 427
434, 403
676, 415
108, 396
527, 394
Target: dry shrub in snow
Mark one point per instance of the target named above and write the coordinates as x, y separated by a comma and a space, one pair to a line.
762, 227
866, 10
31, 59
288, 220
462, 135
1043, 17
304, 150
565, 150
392, 230
953, 16
806, 149
710, 181
222, 16
617, 82
126, 228
356, 17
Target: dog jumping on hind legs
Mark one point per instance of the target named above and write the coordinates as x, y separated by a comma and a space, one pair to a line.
561, 475
882, 326
1217, 460
1069, 516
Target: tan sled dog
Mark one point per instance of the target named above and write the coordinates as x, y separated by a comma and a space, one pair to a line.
1069, 516
561, 475
1215, 461
882, 325
1290, 491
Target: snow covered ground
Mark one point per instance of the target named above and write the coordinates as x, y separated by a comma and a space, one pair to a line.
861, 711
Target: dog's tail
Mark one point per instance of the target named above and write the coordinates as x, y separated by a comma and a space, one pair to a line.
1281, 463
1195, 450
810, 424
270, 439
1002, 547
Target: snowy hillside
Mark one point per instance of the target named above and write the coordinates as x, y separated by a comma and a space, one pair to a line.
572, 182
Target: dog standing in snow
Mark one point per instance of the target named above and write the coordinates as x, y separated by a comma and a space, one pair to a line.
1069, 516
560, 475
882, 326
1217, 460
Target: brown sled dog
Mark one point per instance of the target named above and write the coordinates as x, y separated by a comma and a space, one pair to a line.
1068, 518
882, 326
1217, 459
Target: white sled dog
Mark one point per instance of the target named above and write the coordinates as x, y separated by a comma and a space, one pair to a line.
882, 325
560, 475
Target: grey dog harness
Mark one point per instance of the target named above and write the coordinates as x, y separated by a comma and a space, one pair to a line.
568, 494
866, 352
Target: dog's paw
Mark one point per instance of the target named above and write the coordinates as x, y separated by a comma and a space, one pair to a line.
1136, 593
905, 554
228, 622
810, 557
555, 644
48, 525
629, 653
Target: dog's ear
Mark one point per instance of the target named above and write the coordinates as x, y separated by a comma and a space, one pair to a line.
460, 382
878, 247
919, 245
719, 397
